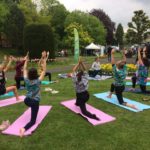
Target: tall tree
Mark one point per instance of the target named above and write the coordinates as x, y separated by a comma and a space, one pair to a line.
14, 26
90, 23
108, 23
119, 35
139, 28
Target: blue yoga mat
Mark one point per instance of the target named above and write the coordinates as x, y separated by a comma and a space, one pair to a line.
114, 100
9, 94
47, 82
130, 83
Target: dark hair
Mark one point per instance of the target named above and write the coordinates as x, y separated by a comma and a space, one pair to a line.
32, 74
145, 62
79, 75
121, 65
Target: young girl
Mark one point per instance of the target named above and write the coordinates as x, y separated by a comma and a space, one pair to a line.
142, 73
3, 88
119, 70
32, 99
81, 86
96, 67
44, 56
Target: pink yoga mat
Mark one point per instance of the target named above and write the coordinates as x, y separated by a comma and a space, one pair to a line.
104, 118
129, 78
11, 101
24, 119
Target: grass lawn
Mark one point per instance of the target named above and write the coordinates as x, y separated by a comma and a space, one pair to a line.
64, 130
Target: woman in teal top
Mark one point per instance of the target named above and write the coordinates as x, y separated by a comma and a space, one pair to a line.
120, 71
32, 81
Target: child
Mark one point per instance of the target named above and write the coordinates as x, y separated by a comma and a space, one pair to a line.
81, 86
96, 67
3, 88
44, 56
119, 70
142, 73
32, 99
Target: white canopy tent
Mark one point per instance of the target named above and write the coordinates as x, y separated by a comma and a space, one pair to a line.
93, 47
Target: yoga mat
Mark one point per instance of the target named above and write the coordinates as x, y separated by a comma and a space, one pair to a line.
9, 94
11, 101
129, 78
47, 82
138, 91
99, 78
130, 83
14, 128
114, 100
104, 118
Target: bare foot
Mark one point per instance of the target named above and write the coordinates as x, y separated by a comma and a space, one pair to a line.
22, 130
109, 96
18, 99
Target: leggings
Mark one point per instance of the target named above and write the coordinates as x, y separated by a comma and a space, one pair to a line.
142, 87
18, 81
118, 90
49, 75
81, 100
34, 111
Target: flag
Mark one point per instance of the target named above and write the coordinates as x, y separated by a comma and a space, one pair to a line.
76, 45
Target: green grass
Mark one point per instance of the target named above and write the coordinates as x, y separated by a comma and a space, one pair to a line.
64, 130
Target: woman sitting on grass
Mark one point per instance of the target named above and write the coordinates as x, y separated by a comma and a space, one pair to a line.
81, 86
33, 82
119, 71
3, 88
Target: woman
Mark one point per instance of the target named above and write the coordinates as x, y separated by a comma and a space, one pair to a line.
120, 71
33, 82
3, 88
44, 56
142, 73
81, 87
96, 68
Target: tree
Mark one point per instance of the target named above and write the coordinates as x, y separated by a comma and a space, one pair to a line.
84, 37
119, 35
14, 25
105, 19
28, 8
39, 37
57, 12
89, 23
139, 28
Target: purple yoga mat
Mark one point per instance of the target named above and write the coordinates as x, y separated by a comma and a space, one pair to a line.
129, 78
11, 101
104, 118
24, 119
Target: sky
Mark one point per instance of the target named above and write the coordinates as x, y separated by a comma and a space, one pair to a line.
120, 11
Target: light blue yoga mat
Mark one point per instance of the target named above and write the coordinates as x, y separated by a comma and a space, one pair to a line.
9, 94
130, 83
47, 82
114, 100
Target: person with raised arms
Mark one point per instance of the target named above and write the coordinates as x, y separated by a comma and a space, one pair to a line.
119, 71
3, 89
80, 81
33, 82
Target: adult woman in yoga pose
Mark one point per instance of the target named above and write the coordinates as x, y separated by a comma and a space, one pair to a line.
33, 82
3, 89
120, 71
81, 86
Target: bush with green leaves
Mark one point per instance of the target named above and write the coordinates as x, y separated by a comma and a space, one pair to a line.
39, 37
